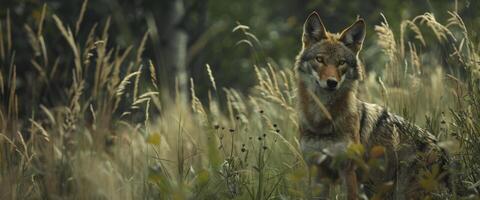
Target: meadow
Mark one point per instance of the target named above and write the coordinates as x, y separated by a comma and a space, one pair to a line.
116, 133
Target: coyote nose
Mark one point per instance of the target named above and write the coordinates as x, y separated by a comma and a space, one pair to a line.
331, 83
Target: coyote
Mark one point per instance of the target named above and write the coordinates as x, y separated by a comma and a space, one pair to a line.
332, 117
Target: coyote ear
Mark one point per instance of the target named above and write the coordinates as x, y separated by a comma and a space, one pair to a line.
353, 36
313, 29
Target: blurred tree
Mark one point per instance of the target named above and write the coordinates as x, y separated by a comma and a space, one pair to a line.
173, 46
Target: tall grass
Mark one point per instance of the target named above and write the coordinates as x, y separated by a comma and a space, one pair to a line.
101, 140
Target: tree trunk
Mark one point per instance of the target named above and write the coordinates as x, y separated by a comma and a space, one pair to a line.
173, 48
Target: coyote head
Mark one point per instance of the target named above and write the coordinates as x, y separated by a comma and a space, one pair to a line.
328, 62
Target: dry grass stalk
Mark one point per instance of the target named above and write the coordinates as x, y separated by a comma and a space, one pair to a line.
210, 75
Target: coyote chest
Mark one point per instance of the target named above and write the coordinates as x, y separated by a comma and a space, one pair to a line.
331, 119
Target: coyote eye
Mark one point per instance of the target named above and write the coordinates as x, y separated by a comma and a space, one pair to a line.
341, 62
319, 59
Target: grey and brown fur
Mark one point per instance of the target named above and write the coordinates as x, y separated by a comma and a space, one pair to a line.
328, 67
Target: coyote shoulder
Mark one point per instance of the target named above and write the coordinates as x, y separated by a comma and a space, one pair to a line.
331, 116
